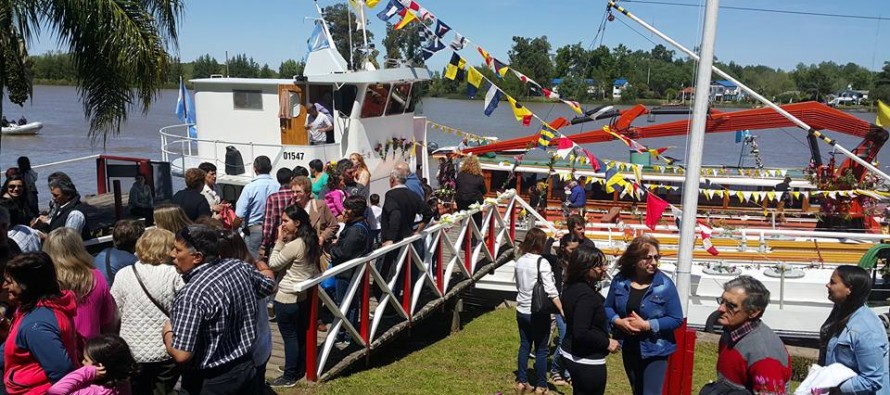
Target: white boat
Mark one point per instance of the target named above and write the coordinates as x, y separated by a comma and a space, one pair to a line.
28, 129
373, 115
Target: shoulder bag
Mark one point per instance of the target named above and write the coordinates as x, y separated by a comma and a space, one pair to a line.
541, 302
148, 294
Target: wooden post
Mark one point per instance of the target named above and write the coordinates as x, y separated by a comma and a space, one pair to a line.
312, 338
118, 201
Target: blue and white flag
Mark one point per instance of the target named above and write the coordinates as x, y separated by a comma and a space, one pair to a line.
491, 99
431, 49
318, 39
390, 11
185, 109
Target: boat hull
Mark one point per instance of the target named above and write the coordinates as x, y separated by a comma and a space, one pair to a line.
28, 129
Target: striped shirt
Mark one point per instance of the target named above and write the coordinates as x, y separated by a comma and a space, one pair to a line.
214, 316
275, 205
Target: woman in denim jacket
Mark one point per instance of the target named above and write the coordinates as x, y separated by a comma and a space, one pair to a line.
853, 335
643, 309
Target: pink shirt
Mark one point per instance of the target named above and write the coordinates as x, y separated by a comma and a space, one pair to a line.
80, 382
95, 310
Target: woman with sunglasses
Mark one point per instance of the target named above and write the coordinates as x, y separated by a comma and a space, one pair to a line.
16, 190
643, 308
586, 343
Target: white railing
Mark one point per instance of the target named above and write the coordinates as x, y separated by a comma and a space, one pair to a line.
177, 147
431, 271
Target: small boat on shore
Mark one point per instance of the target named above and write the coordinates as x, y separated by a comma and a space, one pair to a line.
28, 129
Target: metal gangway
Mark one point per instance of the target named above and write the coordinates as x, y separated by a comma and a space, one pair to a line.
448, 265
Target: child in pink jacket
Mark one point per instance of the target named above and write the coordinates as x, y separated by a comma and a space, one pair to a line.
108, 365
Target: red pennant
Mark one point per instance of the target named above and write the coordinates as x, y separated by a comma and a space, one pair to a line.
655, 207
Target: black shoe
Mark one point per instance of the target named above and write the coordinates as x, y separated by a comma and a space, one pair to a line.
283, 382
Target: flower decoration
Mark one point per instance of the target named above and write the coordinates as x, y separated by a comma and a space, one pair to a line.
379, 150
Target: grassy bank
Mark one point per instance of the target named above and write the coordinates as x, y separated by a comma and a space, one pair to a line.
481, 359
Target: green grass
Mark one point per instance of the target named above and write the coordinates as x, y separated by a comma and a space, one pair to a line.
480, 359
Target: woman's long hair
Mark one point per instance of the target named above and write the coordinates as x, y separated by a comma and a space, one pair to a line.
361, 161
470, 165
232, 245
305, 231
22, 200
74, 265
171, 217
636, 250
584, 258
534, 242
35, 274
112, 352
859, 282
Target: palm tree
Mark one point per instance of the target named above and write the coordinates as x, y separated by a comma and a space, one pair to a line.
119, 49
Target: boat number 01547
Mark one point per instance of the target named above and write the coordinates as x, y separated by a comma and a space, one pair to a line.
292, 155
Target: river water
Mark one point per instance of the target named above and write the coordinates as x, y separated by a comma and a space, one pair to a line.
64, 134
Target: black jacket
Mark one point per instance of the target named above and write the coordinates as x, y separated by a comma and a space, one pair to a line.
192, 202
587, 333
354, 241
400, 207
61, 217
470, 188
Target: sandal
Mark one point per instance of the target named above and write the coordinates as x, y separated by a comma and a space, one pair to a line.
523, 388
558, 380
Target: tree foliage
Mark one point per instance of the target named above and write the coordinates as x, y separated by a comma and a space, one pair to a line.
289, 68
404, 43
205, 66
338, 17
241, 66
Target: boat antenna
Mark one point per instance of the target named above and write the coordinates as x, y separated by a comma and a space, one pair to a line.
757, 96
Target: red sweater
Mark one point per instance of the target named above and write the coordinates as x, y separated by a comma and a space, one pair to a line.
757, 361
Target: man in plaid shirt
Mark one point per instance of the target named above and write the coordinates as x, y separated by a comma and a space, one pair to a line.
275, 205
213, 319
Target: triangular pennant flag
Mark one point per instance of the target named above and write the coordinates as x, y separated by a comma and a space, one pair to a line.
392, 8
747, 196
638, 173
455, 67
706, 238
371, 3
524, 78
498, 67
474, 81
883, 119
435, 46
613, 178
521, 113
549, 94
595, 162
459, 42
576, 107
678, 215
564, 147
655, 207
491, 99
407, 17
771, 195
441, 28
796, 195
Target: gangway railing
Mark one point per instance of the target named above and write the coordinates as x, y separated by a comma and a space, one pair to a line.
177, 147
428, 268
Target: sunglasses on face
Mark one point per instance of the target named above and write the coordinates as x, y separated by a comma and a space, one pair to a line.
651, 258
13, 186
731, 307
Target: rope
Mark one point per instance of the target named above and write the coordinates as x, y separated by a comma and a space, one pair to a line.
66, 161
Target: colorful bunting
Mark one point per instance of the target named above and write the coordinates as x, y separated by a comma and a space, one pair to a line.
613, 178
455, 67
549, 94
565, 147
521, 113
595, 162
433, 47
706, 238
574, 105
441, 28
459, 42
546, 135
491, 100
407, 17
392, 8
474, 81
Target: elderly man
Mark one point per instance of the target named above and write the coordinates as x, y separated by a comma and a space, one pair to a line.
411, 181
213, 319
251, 205
401, 207
751, 355
67, 209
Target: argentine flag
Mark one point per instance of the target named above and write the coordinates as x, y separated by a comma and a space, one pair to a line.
185, 110
318, 39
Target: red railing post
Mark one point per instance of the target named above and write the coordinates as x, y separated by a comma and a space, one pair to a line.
468, 244
101, 181
366, 305
312, 338
406, 284
680, 363
491, 232
440, 271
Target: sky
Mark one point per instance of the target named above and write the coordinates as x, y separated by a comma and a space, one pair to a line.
272, 31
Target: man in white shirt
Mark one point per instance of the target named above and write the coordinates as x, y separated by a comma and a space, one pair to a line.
318, 123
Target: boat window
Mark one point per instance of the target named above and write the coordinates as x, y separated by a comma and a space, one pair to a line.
417, 92
398, 99
247, 100
375, 100
344, 99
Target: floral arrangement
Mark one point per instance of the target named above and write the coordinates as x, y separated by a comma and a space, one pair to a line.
446, 191
380, 151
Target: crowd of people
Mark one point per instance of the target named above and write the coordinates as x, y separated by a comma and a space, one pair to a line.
183, 297
642, 310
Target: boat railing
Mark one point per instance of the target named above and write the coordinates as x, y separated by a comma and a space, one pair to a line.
181, 151
426, 269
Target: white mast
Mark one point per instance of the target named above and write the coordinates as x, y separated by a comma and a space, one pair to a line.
694, 153
759, 97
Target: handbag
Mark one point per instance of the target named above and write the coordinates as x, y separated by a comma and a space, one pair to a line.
151, 298
541, 302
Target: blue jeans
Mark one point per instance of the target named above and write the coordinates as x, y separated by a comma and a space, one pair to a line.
293, 321
557, 367
646, 375
534, 330
254, 239
352, 312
